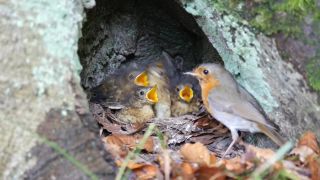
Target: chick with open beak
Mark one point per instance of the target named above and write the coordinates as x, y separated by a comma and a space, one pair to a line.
155, 75
185, 96
138, 106
132, 103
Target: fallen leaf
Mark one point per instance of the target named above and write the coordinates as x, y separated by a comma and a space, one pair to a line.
238, 165
303, 152
204, 173
187, 168
196, 153
260, 153
128, 142
183, 171
145, 172
309, 139
115, 150
131, 165
314, 165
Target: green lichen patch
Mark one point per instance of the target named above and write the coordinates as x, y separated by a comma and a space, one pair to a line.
313, 73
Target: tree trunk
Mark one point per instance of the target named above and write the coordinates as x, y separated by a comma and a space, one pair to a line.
44, 110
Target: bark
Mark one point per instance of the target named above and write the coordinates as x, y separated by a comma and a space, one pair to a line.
41, 99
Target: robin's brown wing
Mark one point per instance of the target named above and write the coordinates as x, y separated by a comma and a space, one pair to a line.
230, 101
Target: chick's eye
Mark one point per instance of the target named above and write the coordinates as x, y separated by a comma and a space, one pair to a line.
141, 93
205, 72
177, 89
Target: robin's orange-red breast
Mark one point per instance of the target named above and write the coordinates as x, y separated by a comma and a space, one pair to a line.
185, 95
230, 104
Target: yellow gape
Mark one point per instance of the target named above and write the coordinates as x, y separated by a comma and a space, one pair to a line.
152, 95
142, 79
186, 93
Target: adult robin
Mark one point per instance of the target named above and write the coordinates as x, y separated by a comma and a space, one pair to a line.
185, 95
230, 104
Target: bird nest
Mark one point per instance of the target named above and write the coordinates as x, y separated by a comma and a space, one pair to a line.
190, 128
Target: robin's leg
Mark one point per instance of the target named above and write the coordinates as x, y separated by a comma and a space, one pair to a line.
235, 136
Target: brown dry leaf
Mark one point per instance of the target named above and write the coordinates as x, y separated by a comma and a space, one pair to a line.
303, 152
114, 150
238, 165
309, 139
314, 165
183, 171
187, 168
142, 171
131, 165
128, 142
205, 173
196, 153
261, 153
145, 172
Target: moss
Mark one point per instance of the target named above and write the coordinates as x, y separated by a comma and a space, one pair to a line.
272, 16
313, 73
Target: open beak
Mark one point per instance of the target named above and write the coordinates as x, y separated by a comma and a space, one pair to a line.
186, 93
191, 73
152, 94
142, 79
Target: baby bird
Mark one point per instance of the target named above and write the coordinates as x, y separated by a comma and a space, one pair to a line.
230, 104
185, 96
138, 106
156, 75
134, 104
112, 90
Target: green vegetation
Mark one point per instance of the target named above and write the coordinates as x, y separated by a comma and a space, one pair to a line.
281, 16
272, 16
313, 73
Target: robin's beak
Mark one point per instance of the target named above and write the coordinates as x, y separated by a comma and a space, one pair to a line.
142, 79
186, 93
152, 95
191, 73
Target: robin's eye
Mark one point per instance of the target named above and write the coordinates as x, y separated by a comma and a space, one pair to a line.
141, 93
131, 76
177, 89
205, 72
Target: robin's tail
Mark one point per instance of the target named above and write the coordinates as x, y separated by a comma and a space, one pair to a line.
272, 134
